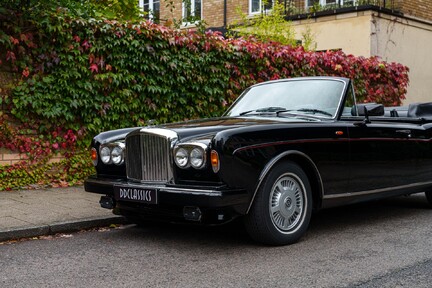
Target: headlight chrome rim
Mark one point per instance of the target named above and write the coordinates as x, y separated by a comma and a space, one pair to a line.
112, 153
193, 155
105, 155
117, 154
181, 157
197, 158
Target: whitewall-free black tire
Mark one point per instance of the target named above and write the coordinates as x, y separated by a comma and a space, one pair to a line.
282, 208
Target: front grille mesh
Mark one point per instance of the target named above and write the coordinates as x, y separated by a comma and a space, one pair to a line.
147, 157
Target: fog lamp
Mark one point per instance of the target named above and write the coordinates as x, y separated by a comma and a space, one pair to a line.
192, 213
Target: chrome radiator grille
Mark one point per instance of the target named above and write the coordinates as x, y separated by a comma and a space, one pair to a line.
148, 155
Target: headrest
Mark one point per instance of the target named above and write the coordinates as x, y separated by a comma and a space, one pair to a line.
420, 110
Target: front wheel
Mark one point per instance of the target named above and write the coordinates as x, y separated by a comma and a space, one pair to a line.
282, 208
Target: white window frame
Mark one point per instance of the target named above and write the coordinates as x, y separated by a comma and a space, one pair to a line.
260, 7
192, 11
151, 7
324, 2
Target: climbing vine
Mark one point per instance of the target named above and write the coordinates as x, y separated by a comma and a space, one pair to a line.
79, 75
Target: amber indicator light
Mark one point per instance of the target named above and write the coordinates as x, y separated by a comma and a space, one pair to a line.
93, 154
339, 133
214, 159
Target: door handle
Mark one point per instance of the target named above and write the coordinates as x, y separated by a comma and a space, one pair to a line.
406, 132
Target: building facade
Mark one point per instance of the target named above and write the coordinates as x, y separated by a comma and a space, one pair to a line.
395, 30
221, 13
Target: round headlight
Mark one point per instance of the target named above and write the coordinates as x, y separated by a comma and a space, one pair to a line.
117, 155
197, 158
181, 158
105, 155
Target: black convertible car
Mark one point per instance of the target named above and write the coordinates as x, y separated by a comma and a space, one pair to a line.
283, 149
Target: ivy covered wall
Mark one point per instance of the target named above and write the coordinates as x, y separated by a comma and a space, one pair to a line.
80, 75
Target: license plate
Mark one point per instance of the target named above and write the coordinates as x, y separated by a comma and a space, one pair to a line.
135, 194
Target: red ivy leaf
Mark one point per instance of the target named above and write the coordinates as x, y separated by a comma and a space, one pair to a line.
10, 56
14, 40
94, 68
86, 45
26, 72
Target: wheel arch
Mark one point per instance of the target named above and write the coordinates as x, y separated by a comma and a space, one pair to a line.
308, 166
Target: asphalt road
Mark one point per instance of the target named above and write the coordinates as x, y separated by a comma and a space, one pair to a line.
379, 244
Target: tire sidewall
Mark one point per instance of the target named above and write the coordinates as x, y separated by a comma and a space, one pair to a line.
269, 232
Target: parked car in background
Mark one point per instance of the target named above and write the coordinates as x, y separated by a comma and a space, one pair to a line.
282, 150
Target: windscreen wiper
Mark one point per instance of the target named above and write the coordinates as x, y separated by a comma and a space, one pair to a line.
266, 109
314, 111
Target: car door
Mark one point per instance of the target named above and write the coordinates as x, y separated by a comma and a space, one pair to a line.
421, 140
387, 155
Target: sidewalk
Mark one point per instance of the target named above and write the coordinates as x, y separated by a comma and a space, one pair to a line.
31, 213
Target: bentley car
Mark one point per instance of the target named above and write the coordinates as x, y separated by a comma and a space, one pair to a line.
284, 149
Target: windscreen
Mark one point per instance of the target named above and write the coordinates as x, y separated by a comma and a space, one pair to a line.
297, 96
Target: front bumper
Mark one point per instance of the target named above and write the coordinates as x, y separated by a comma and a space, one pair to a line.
216, 203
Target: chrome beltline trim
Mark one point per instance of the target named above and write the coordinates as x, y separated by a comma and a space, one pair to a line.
375, 191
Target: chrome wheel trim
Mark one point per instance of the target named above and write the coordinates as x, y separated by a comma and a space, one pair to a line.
287, 203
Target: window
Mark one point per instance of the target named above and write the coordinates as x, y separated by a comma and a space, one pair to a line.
350, 2
151, 8
311, 3
259, 6
350, 102
191, 11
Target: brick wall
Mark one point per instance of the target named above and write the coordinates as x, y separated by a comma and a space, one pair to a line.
212, 11
418, 8
9, 158
167, 15
233, 8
